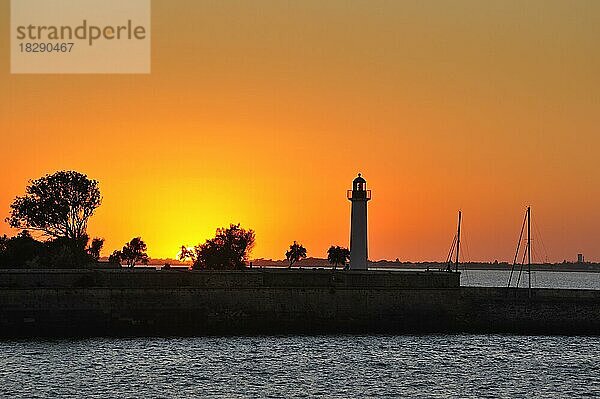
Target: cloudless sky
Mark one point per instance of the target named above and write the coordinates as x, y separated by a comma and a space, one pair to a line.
262, 112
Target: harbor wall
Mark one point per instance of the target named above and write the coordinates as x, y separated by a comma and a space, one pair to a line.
267, 301
535, 311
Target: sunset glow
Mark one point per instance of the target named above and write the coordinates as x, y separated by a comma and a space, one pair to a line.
262, 113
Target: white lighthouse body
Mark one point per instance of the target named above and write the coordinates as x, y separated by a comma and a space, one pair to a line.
359, 195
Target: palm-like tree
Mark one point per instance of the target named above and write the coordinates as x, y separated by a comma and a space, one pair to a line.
337, 255
295, 253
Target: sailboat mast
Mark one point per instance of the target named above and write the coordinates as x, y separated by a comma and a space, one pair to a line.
529, 246
458, 241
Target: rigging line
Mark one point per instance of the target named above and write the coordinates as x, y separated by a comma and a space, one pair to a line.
522, 264
536, 259
466, 252
466, 256
449, 258
539, 233
470, 256
463, 244
536, 255
448, 262
520, 239
517, 252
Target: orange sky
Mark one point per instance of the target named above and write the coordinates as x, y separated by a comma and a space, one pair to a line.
262, 113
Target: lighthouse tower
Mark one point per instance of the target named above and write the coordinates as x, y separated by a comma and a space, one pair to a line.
359, 195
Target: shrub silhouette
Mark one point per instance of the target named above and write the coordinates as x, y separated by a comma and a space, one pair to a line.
24, 251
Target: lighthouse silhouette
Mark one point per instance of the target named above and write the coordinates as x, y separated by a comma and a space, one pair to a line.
359, 195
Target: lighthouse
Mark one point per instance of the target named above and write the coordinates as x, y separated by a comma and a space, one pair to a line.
359, 195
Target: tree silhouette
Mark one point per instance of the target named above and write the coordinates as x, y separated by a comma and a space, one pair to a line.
186, 254
68, 253
337, 255
95, 248
295, 253
115, 257
228, 250
21, 251
59, 205
24, 251
133, 252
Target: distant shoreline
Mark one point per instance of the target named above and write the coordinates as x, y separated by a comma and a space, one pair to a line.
546, 267
385, 264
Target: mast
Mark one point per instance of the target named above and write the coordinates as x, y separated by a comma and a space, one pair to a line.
529, 247
458, 241
527, 251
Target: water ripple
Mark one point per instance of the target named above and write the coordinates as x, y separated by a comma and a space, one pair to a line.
430, 366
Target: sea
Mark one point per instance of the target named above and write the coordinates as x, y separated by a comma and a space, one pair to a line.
539, 279
319, 366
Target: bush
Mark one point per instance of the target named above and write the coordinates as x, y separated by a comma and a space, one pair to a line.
25, 252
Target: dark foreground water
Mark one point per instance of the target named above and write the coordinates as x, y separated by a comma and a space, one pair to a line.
440, 366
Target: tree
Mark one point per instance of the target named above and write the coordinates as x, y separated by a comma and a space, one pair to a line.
133, 252
115, 257
21, 251
186, 254
95, 248
295, 253
68, 253
337, 255
4, 240
228, 250
59, 205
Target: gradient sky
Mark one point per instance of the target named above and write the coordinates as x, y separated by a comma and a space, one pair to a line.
262, 112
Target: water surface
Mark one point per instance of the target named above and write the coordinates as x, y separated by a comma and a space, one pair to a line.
430, 366
539, 279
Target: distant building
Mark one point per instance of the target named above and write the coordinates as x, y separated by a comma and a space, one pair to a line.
359, 195
580, 258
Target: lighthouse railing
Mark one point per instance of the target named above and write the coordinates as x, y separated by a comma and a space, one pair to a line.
358, 194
